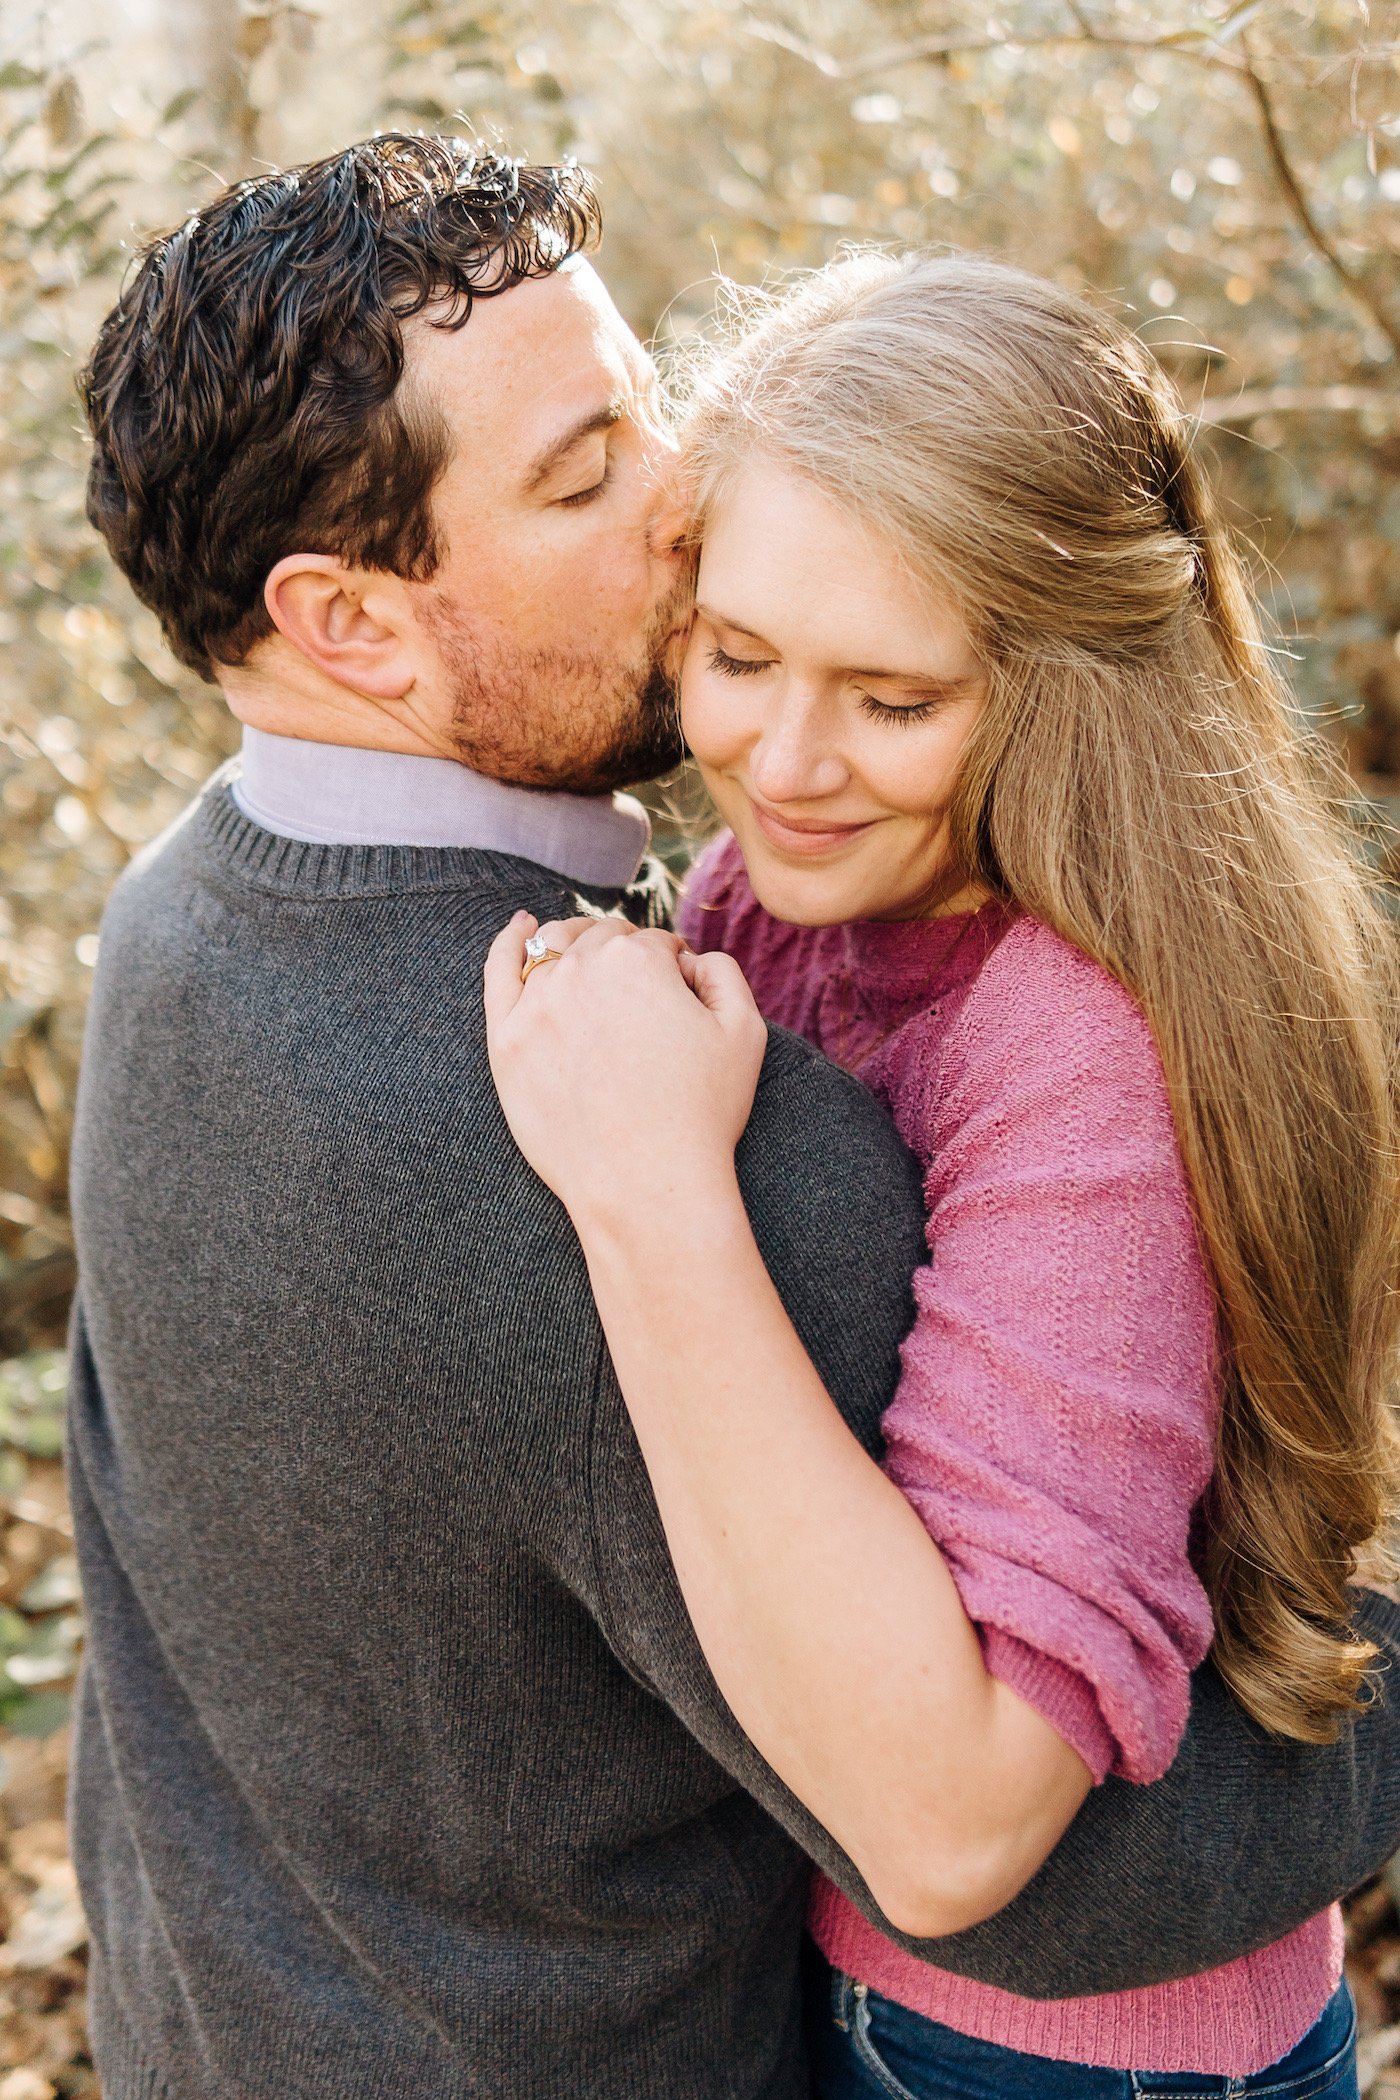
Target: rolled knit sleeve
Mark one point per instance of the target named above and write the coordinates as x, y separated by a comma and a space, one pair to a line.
1054, 1422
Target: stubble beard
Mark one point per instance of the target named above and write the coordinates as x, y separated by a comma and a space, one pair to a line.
561, 719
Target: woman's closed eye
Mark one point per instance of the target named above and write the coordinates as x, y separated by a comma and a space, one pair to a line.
881, 711
738, 666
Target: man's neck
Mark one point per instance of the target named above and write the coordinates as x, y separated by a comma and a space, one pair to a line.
341, 794
280, 694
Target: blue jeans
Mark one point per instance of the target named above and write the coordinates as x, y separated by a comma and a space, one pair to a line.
865, 2047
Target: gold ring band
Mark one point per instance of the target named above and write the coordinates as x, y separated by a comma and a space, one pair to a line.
545, 955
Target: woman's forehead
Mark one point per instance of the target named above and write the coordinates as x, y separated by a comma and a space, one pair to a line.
785, 562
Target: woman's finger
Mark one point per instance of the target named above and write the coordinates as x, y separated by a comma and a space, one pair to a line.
561, 937
719, 984
557, 935
566, 936
504, 962
659, 937
561, 934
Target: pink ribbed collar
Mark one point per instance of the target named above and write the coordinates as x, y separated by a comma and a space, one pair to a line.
894, 961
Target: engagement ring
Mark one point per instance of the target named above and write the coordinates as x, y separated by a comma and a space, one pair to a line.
537, 951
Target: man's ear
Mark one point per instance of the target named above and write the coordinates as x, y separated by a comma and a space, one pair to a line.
347, 622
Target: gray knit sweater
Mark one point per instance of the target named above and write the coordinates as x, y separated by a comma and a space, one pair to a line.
399, 1771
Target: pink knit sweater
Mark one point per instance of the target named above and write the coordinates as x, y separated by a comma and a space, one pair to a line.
1054, 1422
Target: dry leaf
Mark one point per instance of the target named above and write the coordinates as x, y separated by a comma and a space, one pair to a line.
26, 2085
1374, 2052
50, 1925
38, 1848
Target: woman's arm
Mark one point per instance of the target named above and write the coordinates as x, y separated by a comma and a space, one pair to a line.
827, 1614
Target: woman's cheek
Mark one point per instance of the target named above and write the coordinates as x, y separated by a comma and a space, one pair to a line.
911, 770
692, 705
729, 800
707, 719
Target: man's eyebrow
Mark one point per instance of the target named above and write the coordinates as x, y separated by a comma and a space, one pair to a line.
559, 448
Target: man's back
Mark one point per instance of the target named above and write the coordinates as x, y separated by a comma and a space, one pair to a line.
372, 1795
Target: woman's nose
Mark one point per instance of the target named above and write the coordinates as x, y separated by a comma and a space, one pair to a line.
789, 763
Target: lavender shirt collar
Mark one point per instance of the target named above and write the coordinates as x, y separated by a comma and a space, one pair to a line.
337, 795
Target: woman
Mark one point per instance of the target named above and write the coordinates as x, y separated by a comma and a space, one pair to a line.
1021, 831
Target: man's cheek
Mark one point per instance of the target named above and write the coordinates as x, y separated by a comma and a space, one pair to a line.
610, 591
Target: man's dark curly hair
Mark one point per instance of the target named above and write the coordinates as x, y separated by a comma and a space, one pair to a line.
242, 392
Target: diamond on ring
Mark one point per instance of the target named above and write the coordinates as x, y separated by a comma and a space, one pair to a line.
537, 951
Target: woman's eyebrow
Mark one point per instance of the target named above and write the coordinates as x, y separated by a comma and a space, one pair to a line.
719, 619
928, 681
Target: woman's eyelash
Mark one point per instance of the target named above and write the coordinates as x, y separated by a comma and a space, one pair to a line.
747, 666
879, 712
736, 666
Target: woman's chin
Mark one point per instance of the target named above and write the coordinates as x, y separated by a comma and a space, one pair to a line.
865, 876
806, 896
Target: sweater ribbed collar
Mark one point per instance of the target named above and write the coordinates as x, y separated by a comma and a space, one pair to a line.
892, 961
338, 795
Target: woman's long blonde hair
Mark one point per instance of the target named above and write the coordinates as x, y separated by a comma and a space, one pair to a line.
1139, 782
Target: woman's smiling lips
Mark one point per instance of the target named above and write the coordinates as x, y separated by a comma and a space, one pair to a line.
806, 837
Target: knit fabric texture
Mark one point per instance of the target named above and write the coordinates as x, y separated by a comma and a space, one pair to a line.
399, 1769
1055, 1419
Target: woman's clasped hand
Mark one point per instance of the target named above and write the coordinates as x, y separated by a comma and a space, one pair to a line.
627, 1067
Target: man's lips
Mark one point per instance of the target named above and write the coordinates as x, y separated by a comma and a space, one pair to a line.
806, 837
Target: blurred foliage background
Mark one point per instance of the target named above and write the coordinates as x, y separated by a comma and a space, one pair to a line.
1229, 176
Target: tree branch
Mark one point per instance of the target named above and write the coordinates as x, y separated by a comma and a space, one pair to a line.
1221, 410
1199, 45
1207, 48
1289, 182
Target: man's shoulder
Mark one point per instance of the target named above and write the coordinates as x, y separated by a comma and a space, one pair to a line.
313, 991
319, 1048
278, 913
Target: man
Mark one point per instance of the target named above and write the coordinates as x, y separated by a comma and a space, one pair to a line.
399, 1769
